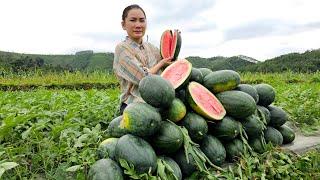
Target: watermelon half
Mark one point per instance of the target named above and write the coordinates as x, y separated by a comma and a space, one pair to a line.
204, 102
170, 44
178, 73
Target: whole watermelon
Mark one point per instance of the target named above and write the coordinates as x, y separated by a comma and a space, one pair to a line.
266, 94
137, 152
156, 91
140, 119
238, 104
277, 116
213, 149
105, 169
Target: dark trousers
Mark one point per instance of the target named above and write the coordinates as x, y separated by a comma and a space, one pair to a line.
122, 107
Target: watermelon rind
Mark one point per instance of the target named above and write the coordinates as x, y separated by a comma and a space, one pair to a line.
199, 107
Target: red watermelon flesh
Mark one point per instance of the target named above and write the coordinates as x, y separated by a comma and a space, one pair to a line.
170, 44
178, 72
166, 44
204, 102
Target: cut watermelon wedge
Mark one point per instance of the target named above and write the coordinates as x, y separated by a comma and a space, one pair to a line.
202, 101
178, 73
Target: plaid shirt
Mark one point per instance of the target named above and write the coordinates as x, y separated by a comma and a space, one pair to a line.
130, 63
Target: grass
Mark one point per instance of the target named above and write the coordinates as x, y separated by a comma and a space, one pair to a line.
66, 80
46, 132
276, 164
40, 78
298, 94
53, 134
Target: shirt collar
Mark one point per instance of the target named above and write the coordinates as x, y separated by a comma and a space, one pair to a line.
135, 44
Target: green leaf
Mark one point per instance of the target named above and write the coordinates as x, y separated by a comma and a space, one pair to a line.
193, 149
2, 170
86, 130
26, 133
73, 168
97, 128
8, 165
164, 171
161, 169
129, 170
82, 138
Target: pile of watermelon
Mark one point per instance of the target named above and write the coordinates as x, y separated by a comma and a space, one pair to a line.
192, 119
192, 122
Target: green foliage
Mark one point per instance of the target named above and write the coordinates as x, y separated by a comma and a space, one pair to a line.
100, 62
300, 97
46, 132
305, 114
131, 172
193, 149
219, 63
164, 171
276, 164
54, 134
5, 166
308, 61
63, 80
83, 60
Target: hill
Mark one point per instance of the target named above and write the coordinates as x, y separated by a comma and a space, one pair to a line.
83, 61
219, 62
308, 61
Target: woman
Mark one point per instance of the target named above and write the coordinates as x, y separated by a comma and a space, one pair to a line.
135, 58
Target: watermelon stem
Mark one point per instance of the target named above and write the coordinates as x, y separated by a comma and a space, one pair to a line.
244, 137
262, 117
200, 153
264, 127
132, 173
164, 171
199, 157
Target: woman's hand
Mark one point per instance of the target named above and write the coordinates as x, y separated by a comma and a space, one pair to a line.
162, 63
166, 61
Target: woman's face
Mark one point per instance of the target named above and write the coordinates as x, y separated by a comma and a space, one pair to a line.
135, 24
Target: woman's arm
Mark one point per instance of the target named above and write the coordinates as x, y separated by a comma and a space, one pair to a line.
128, 67
162, 63
159, 65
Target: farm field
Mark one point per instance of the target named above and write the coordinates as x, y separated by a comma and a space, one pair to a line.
52, 132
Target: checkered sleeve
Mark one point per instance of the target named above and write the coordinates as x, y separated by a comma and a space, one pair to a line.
156, 52
127, 66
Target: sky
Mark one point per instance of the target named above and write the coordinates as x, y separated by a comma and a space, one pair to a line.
261, 29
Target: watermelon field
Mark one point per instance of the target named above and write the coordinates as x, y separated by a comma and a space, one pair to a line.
51, 126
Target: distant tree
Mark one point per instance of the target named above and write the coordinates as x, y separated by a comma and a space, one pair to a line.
39, 62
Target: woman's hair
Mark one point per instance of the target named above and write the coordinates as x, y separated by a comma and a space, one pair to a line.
128, 8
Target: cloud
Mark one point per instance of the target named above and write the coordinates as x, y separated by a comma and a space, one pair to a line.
202, 27
253, 29
260, 29
268, 27
102, 36
312, 25
179, 11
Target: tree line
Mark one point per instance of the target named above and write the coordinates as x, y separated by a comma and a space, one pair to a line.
308, 61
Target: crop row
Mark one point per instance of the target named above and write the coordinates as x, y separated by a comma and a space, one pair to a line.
47, 131
63, 80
